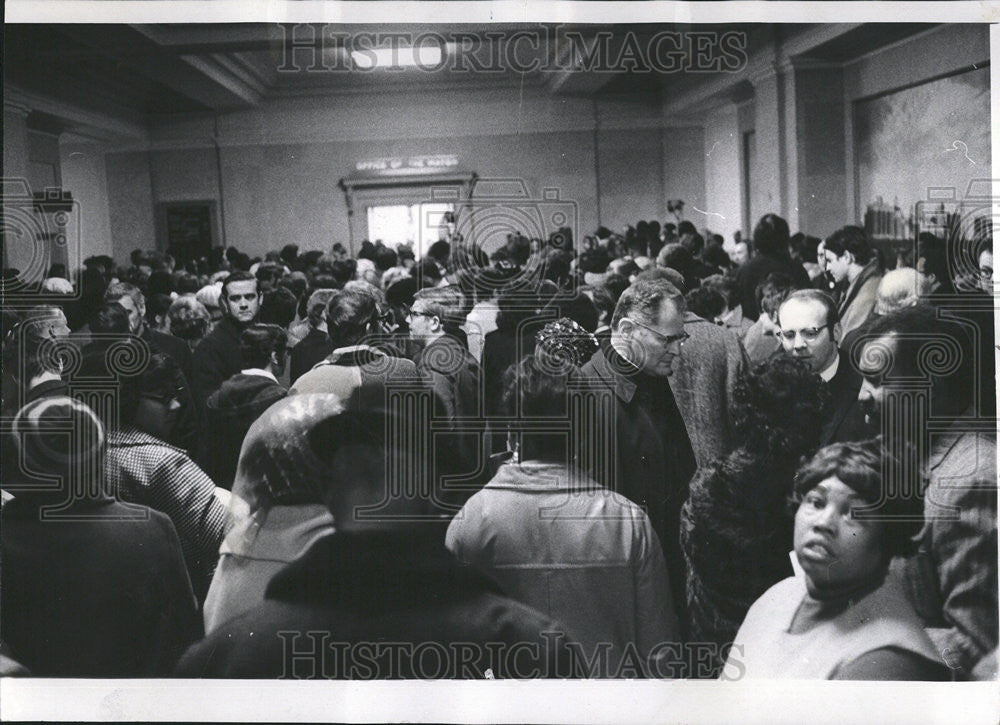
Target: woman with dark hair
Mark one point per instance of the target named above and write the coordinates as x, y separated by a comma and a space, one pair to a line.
558, 541
678, 257
514, 337
708, 304
802, 249
156, 313
841, 617
143, 468
735, 533
770, 255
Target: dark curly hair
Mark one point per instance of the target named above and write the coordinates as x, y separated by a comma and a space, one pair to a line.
779, 409
258, 341
706, 303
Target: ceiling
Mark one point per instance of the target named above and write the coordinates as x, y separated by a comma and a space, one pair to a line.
136, 72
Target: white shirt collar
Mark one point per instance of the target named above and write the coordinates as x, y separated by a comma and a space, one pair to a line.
831, 369
259, 371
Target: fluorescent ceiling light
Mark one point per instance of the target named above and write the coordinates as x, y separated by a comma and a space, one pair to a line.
428, 56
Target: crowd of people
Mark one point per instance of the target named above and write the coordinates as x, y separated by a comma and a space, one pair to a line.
637, 456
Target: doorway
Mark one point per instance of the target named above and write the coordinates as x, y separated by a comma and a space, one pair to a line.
187, 230
418, 225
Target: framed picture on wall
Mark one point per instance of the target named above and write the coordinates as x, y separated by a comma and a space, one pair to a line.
914, 143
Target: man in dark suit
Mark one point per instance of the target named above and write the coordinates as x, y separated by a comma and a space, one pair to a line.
647, 456
189, 426
445, 361
217, 357
807, 321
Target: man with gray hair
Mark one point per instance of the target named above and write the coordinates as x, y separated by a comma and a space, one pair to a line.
648, 458
900, 288
131, 298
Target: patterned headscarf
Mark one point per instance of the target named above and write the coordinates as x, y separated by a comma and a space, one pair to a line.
563, 343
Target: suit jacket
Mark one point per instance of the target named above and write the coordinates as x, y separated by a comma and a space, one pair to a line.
456, 379
846, 419
216, 359
705, 376
639, 461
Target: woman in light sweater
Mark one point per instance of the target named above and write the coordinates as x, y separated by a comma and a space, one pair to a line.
843, 616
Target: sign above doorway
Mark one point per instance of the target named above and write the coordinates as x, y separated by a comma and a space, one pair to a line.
407, 165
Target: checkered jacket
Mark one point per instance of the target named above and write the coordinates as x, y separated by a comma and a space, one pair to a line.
145, 470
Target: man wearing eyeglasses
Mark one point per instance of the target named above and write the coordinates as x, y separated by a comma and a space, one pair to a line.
444, 359
986, 271
647, 457
807, 322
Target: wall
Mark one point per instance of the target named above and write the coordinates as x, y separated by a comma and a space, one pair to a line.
684, 169
280, 165
723, 186
908, 64
130, 203
19, 246
631, 177
803, 118
819, 154
84, 175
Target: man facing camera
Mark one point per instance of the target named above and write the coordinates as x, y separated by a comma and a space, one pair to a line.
808, 320
217, 356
